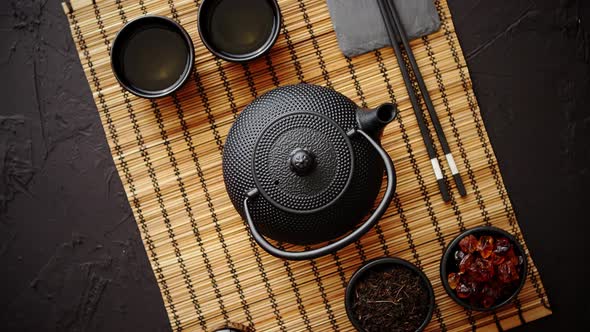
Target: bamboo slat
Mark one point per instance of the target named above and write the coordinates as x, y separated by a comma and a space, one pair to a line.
168, 155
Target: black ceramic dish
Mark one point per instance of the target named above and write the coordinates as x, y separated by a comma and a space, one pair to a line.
152, 56
223, 27
381, 264
448, 265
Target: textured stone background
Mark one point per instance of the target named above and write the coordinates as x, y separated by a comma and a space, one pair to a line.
71, 257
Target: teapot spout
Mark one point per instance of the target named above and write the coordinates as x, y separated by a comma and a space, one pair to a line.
373, 121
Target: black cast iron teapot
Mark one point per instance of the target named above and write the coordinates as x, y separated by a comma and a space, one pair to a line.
302, 164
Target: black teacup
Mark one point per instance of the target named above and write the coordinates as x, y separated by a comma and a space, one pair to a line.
152, 56
239, 30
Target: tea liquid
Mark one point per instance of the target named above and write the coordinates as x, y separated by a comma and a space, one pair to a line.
154, 58
240, 26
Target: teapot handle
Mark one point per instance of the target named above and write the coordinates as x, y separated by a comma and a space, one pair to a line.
350, 238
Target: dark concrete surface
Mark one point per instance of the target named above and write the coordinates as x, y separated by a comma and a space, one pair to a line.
71, 257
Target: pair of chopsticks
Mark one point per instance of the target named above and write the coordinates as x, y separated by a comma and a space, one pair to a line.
397, 35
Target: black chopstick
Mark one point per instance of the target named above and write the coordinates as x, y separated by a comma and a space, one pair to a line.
391, 31
431, 111
396, 36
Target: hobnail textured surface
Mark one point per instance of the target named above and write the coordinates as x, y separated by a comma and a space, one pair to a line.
332, 162
297, 228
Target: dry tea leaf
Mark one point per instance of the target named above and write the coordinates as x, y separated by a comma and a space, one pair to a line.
393, 300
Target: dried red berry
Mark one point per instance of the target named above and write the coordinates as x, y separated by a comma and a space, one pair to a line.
459, 255
510, 255
481, 270
491, 290
453, 280
463, 290
507, 272
468, 244
502, 246
488, 270
466, 263
485, 246
497, 259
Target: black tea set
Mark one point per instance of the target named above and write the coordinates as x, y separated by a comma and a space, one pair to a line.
302, 164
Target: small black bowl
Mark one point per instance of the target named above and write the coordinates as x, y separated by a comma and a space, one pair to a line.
448, 265
382, 264
123, 48
205, 18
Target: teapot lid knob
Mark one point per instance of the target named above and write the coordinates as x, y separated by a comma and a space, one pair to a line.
302, 161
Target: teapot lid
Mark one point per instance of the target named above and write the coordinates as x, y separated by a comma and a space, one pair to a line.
303, 162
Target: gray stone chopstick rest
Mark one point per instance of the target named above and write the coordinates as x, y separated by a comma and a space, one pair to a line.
360, 29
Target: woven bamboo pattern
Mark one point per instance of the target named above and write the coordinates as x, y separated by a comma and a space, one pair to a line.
168, 155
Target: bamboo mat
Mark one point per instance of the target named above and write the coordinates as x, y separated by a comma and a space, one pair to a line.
168, 155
